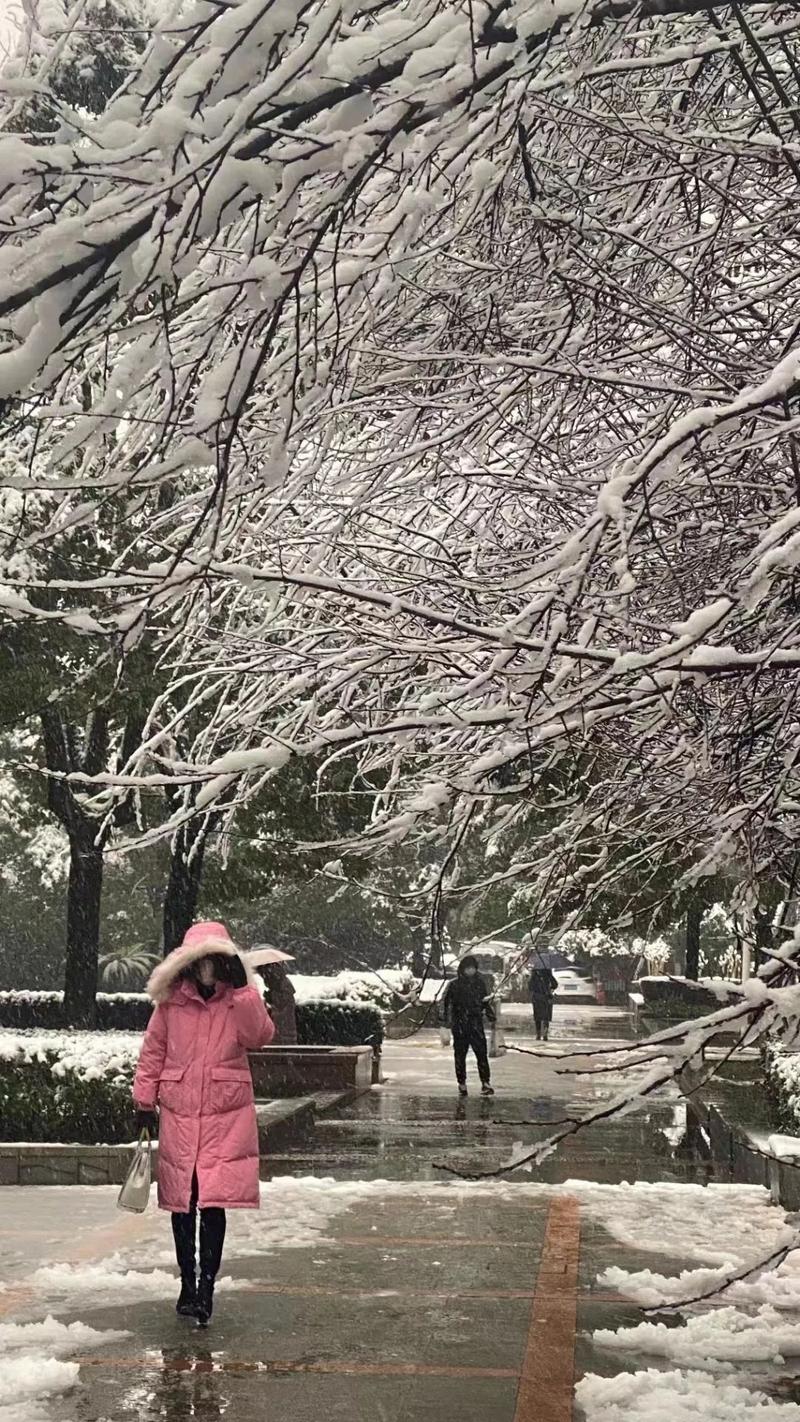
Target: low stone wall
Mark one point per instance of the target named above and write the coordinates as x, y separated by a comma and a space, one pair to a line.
281, 1125
732, 1123
301, 1071
38, 1164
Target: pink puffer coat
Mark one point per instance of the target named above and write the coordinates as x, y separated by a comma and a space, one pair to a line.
193, 1066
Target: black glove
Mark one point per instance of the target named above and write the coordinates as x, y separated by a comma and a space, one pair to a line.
147, 1121
236, 973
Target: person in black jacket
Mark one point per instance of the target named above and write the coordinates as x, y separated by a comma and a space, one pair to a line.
466, 1003
543, 987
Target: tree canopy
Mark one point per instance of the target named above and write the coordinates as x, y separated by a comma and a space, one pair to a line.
440, 367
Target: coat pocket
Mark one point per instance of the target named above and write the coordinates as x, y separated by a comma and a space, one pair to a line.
170, 1090
231, 1088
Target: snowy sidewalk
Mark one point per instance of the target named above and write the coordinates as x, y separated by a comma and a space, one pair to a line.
418, 1296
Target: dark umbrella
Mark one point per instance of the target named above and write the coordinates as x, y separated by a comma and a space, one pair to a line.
543, 958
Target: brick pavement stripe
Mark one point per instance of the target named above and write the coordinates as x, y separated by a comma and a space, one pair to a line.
546, 1385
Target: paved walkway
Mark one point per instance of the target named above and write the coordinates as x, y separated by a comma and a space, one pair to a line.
391, 1291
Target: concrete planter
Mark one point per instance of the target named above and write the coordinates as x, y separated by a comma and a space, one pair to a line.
49, 1163
301, 1071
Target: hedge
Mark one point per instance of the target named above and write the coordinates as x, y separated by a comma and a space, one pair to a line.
678, 998
42, 1101
116, 1011
782, 1083
328, 1022
339, 1024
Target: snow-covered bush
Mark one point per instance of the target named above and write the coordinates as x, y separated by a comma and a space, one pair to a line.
116, 1011
386, 990
65, 1092
322, 1021
677, 998
782, 1078
339, 1024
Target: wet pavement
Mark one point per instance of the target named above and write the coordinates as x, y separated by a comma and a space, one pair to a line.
416, 1124
391, 1289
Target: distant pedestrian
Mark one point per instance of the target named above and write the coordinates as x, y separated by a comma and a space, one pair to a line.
466, 1003
281, 1003
543, 987
193, 1067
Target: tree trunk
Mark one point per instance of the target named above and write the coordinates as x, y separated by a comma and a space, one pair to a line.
84, 893
764, 936
694, 920
183, 887
67, 750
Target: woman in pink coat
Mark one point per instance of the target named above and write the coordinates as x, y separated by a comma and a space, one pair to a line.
193, 1066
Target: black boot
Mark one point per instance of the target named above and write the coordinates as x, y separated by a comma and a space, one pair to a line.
212, 1238
183, 1230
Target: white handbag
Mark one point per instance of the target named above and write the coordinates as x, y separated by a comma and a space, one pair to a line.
135, 1191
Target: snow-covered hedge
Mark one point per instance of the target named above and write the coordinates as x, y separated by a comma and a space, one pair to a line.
74, 1088
339, 1024
116, 1011
782, 1077
386, 990
679, 998
325, 1021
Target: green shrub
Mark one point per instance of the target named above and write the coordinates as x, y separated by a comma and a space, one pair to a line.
327, 1022
339, 1024
782, 1083
41, 1100
676, 999
116, 1011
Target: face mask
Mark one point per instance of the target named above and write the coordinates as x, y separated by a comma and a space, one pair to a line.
205, 972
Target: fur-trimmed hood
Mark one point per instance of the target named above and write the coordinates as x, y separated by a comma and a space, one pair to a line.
201, 941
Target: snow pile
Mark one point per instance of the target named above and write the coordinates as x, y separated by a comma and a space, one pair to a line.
25, 1379
778, 1287
58, 1337
112, 1281
678, 1396
716, 1340
728, 1228
89, 1055
28, 1374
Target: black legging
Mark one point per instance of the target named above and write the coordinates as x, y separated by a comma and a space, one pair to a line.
466, 1035
212, 1237
542, 1011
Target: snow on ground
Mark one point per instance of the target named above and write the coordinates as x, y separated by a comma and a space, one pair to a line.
722, 1225
715, 1340
712, 1227
29, 1375
731, 1227
678, 1396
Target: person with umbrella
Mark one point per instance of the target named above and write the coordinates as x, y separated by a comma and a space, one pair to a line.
542, 987
273, 968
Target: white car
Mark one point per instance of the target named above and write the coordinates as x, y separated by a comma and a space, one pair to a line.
573, 986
